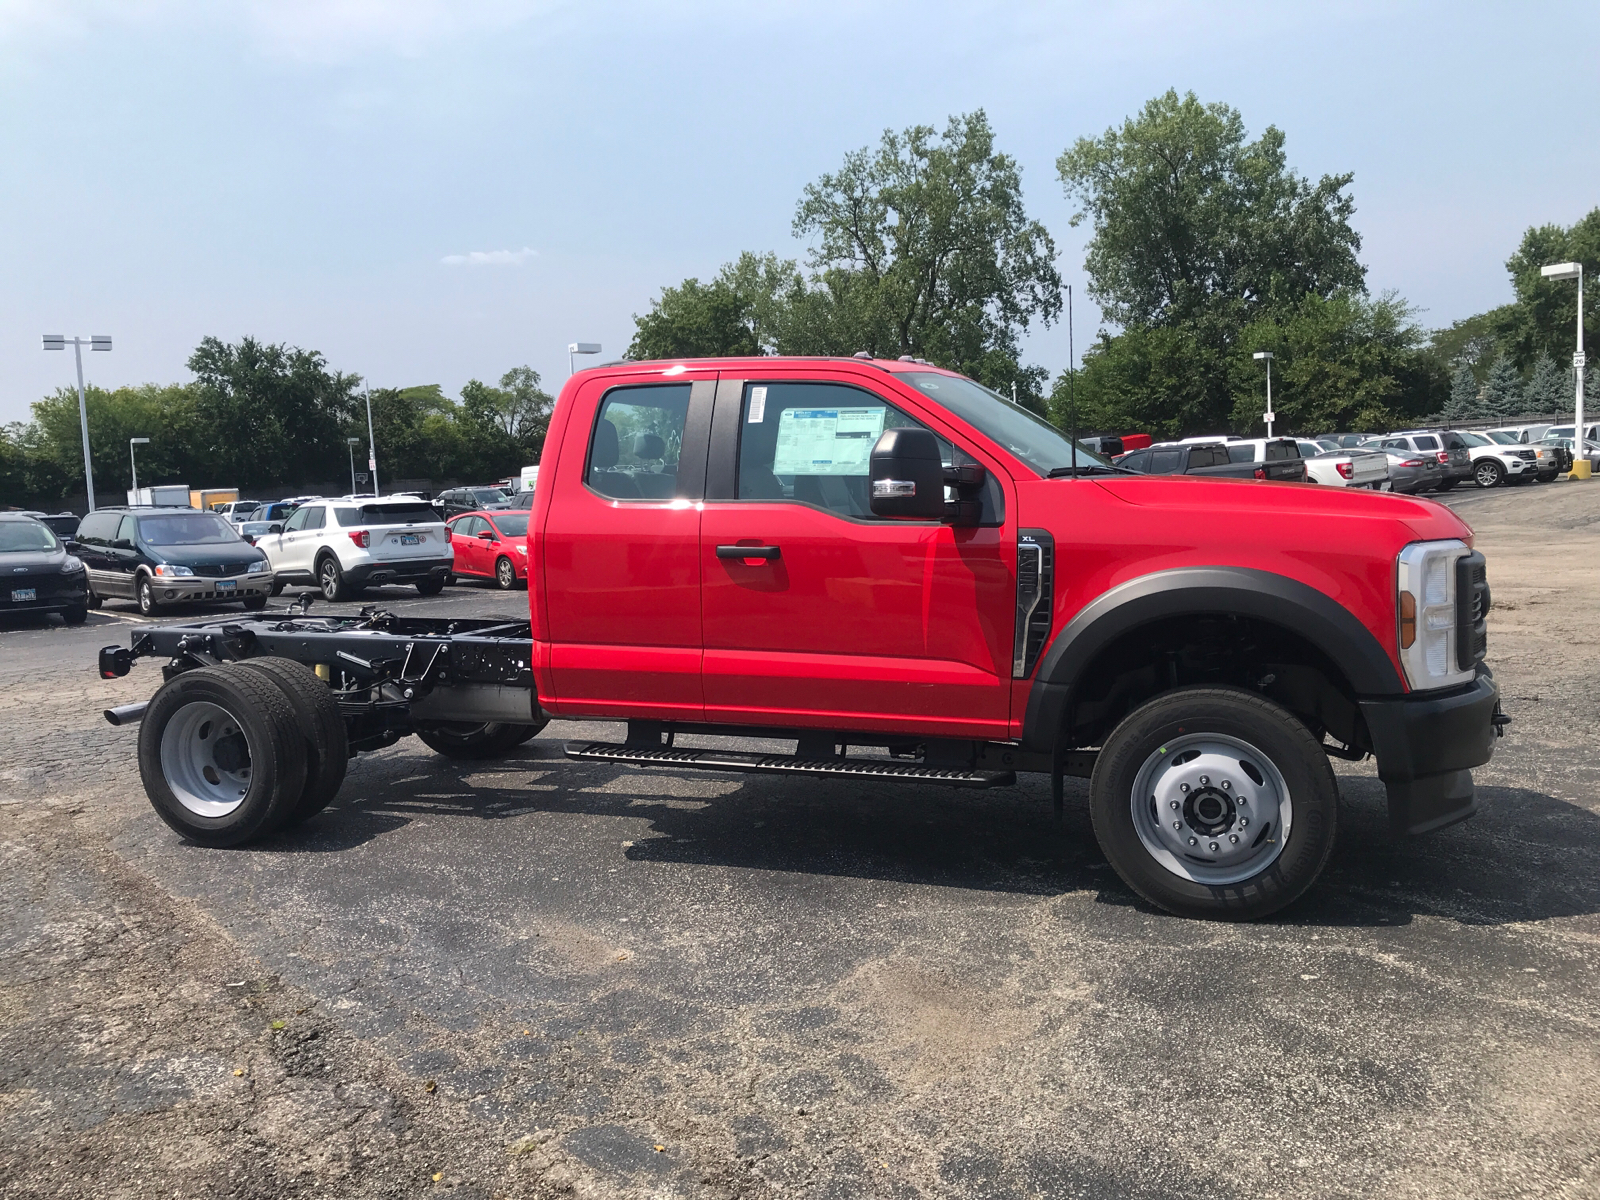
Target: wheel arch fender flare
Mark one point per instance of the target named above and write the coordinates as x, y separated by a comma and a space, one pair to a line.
1201, 591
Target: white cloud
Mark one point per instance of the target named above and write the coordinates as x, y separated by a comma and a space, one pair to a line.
490, 258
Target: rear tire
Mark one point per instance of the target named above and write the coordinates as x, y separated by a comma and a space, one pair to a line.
277, 587
1446, 484
221, 755
430, 587
330, 578
1214, 845
322, 727
255, 603
482, 739
75, 616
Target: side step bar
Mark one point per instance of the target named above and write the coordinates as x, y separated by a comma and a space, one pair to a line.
782, 764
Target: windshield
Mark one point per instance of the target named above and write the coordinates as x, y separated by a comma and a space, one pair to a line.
487, 495
20, 537
187, 529
1474, 439
1032, 439
1505, 439
513, 524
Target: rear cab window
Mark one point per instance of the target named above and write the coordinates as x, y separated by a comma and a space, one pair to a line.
636, 443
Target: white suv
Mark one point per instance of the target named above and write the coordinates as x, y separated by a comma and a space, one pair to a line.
342, 546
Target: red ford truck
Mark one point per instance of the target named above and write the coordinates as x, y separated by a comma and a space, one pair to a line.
903, 576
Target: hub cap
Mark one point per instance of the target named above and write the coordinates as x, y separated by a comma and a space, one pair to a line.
1487, 475
1211, 808
205, 759
506, 572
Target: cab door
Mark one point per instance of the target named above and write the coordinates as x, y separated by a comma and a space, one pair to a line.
621, 547
819, 614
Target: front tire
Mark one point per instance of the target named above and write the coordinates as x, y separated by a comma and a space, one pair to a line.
145, 592
505, 574
1488, 474
1215, 802
221, 756
477, 739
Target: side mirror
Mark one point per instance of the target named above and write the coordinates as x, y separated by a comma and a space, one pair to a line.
274, 528
907, 477
487, 535
122, 544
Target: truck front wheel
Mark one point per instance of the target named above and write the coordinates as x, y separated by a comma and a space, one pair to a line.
1215, 802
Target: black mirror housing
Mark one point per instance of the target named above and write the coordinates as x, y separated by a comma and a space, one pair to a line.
907, 476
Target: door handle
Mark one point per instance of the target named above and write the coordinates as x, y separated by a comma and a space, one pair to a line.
766, 552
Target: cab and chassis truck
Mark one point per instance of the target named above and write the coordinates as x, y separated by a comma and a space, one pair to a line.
903, 577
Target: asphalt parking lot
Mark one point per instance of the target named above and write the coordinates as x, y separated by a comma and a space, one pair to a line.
532, 977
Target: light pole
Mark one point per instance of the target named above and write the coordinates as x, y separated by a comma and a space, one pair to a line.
98, 341
580, 348
352, 443
372, 444
1580, 457
1269, 416
132, 462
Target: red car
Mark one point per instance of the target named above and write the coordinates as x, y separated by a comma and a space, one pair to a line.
491, 546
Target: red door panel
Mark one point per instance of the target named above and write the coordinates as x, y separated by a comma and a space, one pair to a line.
867, 625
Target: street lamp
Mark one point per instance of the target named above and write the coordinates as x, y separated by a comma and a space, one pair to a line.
580, 348
1580, 458
99, 341
132, 442
372, 444
352, 443
1269, 416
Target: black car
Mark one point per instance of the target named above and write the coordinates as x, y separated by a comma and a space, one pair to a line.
37, 575
169, 556
455, 501
64, 524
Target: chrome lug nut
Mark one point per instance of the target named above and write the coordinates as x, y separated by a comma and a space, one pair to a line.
1176, 806
1194, 841
1225, 785
1183, 787
1214, 847
1234, 838
1177, 824
1204, 779
1243, 822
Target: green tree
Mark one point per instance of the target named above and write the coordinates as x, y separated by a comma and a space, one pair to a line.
744, 310
1149, 379
1502, 394
1464, 387
1548, 388
1192, 223
1544, 318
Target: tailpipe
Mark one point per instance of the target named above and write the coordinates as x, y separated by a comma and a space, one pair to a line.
127, 714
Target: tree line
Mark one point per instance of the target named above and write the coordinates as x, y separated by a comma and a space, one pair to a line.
1206, 247
261, 416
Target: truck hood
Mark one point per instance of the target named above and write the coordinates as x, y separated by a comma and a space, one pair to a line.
1341, 516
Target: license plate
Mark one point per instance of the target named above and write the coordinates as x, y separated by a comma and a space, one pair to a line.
18, 595
410, 539
227, 585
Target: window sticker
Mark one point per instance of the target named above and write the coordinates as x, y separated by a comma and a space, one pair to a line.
758, 406
826, 441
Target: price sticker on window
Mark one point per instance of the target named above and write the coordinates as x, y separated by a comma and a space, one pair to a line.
826, 441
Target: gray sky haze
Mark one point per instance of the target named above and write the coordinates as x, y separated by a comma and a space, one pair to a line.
429, 191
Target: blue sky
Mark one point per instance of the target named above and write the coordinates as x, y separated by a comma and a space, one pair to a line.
429, 192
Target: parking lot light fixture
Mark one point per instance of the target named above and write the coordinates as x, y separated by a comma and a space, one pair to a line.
1574, 270
580, 348
1269, 416
98, 341
352, 443
133, 462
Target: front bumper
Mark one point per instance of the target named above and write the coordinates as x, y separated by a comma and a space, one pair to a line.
192, 589
1426, 746
52, 593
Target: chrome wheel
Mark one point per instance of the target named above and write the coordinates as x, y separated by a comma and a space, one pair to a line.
505, 574
1488, 474
1211, 809
205, 759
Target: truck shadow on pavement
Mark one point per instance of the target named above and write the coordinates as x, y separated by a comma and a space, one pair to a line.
1526, 856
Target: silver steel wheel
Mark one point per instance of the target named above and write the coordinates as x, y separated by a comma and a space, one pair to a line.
206, 759
1211, 809
1488, 474
505, 574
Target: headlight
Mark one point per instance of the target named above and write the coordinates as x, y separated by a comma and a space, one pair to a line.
1430, 591
522, 549
168, 571
72, 566
257, 568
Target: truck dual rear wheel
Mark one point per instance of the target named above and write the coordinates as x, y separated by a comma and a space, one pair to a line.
322, 729
477, 739
1215, 802
221, 755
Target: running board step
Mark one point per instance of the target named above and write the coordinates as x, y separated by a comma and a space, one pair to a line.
782, 764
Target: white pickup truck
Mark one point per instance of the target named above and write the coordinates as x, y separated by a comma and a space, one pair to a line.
1329, 463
